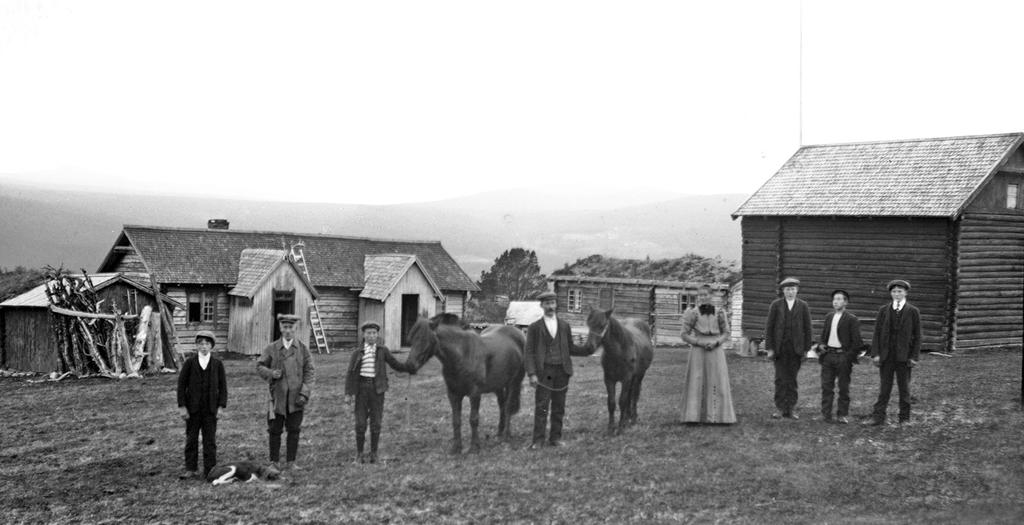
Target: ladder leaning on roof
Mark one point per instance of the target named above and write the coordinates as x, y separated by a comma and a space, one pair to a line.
314, 315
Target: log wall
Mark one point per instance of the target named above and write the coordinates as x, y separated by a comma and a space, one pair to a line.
339, 310
990, 277
628, 300
185, 330
860, 255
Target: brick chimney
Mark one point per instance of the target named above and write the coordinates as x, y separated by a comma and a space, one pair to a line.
217, 224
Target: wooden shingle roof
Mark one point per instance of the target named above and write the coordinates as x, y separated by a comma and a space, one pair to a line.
383, 271
206, 256
916, 178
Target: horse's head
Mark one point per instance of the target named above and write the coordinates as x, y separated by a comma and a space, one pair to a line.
424, 342
599, 323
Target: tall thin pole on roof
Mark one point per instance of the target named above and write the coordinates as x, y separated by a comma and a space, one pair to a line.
801, 74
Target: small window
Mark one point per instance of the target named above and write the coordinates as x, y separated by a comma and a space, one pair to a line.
575, 300
1012, 190
606, 299
687, 301
201, 307
133, 302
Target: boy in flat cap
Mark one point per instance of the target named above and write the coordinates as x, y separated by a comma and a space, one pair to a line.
838, 348
367, 381
787, 338
287, 366
202, 389
549, 347
895, 349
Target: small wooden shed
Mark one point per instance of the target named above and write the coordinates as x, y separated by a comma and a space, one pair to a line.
269, 283
396, 292
946, 214
26, 335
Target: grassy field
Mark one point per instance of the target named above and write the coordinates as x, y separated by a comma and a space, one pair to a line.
100, 451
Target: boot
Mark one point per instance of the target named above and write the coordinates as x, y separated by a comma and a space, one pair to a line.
374, 442
360, 444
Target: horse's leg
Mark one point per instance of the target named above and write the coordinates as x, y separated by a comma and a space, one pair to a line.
610, 387
502, 412
474, 422
634, 398
456, 401
627, 387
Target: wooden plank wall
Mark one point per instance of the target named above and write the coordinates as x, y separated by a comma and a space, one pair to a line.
990, 278
668, 320
455, 303
251, 323
28, 341
131, 265
339, 309
413, 282
187, 331
628, 301
859, 255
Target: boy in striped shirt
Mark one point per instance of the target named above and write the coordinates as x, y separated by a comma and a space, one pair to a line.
367, 380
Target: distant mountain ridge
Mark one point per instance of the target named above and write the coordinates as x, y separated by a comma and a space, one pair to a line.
77, 228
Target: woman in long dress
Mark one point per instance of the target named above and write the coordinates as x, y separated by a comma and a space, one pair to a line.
707, 397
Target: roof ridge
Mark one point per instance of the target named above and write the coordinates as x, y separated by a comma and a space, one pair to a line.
904, 141
270, 232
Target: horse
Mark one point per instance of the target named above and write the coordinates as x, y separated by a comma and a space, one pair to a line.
627, 355
472, 365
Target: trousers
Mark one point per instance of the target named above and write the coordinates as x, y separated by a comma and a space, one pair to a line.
369, 408
292, 423
787, 366
550, 401
835, 368
205, 422
901, 370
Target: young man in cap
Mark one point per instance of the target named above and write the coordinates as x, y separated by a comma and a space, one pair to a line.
287, 366
549, 347
895, 349
838, 348
202, 389
367, 381
787, 338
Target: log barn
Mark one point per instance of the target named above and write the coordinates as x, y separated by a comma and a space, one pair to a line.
200, 267
660, 303
27, 335
945, 214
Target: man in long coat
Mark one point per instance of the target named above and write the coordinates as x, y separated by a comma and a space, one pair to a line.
787, 339
287, 366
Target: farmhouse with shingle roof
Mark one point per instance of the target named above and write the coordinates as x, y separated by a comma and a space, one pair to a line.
212, 271
945, 214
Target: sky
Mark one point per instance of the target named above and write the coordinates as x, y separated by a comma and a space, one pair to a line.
401, 101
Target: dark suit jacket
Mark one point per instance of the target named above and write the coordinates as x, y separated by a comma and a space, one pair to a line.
908, 333
537, 341
188, 385
380, 379
848, 331
801, 328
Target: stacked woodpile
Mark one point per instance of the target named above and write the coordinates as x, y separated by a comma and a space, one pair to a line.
93, 342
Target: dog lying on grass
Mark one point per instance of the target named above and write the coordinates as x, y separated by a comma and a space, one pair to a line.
242, 471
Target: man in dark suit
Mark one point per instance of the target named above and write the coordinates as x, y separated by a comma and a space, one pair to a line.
202, 389
548, 361
895, 349
838, 348
787, 338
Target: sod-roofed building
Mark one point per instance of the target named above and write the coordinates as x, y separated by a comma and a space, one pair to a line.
201, 268
945, 214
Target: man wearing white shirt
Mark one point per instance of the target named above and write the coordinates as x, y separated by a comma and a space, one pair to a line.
838, 349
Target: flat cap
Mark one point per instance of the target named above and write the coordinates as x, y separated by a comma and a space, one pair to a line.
369, 324
789, 281
840, 290
544, 296
898, 282
287, 318
208, 335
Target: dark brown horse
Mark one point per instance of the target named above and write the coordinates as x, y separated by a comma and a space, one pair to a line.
472, 365
627, 354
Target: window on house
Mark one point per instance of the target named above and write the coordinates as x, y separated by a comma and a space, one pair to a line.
201, 307
687, 301
1012, 190
575, 300
605, 298
133, 302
